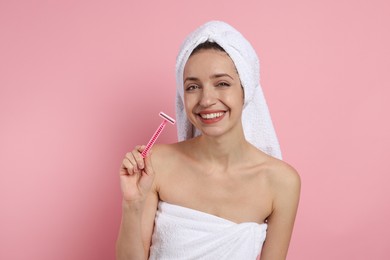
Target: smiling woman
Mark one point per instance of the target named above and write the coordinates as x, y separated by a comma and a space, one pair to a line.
213, 91
222, 192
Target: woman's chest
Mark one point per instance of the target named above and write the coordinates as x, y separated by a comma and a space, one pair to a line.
239, 198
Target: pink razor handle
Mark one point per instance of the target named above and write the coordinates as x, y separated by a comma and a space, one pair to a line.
152, 140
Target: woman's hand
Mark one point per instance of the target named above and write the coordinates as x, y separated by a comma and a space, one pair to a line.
136, 176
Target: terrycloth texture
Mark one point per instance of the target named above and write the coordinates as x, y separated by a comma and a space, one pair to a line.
256, 120
183, 233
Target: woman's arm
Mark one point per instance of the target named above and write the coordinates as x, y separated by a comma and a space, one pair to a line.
136, 229
139, 207
286, 185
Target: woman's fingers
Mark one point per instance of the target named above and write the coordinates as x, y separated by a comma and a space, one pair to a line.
127, 166
138, 157
130, 164
136, 174
133, 161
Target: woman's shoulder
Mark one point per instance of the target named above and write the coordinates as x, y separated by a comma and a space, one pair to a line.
280, 173
166, 151
167, 160
165, 156
285, 180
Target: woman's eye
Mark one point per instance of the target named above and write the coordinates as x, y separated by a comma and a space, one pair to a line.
192, 87
223, 84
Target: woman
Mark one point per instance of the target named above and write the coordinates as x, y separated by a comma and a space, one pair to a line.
221, 192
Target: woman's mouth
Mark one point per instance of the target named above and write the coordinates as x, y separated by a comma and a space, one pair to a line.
210, 118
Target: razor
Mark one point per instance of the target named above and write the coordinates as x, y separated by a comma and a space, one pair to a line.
156, 134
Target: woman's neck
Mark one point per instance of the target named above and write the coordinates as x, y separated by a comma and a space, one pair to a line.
222, 150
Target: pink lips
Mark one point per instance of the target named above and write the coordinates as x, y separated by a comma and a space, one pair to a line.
211, 117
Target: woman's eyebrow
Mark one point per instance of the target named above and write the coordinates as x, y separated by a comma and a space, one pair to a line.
219, 75
214, 76
191, 79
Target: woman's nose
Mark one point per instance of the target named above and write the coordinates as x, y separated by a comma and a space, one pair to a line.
208, 97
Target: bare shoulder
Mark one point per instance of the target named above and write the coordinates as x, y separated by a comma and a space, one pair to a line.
283, 173
163, 153
166, 158
282, 176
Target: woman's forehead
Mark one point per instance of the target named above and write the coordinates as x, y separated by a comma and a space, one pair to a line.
209, 60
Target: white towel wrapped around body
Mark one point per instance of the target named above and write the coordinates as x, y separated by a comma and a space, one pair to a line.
256, 120
184, 233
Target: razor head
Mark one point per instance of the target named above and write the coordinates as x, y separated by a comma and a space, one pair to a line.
167, 118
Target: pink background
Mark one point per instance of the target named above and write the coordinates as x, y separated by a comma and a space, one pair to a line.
82, 82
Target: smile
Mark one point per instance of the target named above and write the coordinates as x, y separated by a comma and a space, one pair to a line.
212, 115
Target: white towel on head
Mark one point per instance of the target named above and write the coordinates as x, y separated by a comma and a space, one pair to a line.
256, 120
184, 233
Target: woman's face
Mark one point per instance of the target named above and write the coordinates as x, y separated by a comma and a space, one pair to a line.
213, 95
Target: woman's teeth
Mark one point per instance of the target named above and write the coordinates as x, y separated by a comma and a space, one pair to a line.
211, 115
